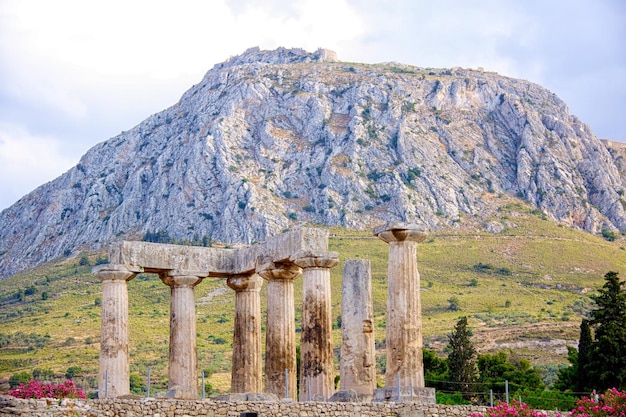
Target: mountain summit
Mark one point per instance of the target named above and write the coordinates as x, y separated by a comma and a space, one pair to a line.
271, 139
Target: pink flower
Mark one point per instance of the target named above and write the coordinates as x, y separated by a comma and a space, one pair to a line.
36, 389
610, 404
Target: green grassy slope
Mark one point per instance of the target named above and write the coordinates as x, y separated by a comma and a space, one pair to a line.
523, 289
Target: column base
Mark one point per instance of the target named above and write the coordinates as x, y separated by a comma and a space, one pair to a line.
418, 395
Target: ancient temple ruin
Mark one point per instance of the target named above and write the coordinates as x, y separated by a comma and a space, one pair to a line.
279, 261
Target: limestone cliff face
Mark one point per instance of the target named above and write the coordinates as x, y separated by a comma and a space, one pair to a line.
271, 139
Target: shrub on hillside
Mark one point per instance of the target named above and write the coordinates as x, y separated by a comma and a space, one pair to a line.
19, 378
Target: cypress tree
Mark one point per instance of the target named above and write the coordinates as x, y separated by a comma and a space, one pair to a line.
607, 365
463, 372
585, 346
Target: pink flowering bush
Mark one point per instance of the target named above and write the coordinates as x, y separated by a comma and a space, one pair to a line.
610, 404
36, 389
514, 409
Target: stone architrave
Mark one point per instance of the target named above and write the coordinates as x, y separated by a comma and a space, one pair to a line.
404, 312
358, 353
183, 357
114, 371
280, 333
316, 345
247, 372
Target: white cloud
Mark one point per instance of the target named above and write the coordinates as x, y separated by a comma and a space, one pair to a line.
27, 161
75, 72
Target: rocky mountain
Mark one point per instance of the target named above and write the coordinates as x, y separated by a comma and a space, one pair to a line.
270, 139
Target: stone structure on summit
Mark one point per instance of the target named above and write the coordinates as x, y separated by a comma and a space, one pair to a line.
279, 261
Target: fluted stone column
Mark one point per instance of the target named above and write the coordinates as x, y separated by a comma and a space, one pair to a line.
358, 352
404, 311
114, 373
280, 330
316, 345
247, 374
183, 359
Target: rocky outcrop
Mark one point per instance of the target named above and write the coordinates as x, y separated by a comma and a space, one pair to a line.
271, 139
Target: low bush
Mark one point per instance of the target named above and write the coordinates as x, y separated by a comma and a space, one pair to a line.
36, 389
610, 404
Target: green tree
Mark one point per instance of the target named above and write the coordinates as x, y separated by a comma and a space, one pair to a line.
454, 304
19, 378
73, 371
84, 261
43, 375
567, 376
575, 377
497, 368
585, 354
463, 372
136, 384
607, 365
435, 369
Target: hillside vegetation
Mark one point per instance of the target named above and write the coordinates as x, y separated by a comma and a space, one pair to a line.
524, 289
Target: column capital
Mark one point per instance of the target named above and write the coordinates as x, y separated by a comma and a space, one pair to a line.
182, 278
245, 282
279, 271
308, 260
114, 272
400, 232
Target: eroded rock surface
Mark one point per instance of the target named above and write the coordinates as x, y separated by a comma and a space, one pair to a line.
270, 139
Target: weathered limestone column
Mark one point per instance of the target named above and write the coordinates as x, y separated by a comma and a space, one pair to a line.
280, 330
404, 310
114, 373
247, 373
358, 352
183, 359
316, 345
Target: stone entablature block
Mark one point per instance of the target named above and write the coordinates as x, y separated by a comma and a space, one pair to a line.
215, 262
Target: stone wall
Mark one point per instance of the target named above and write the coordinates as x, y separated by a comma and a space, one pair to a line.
10, 407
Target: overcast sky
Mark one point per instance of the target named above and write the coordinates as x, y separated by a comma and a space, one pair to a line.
77, 72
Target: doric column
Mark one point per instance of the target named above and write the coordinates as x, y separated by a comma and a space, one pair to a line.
316, 345
114, 373
183, 359
280, 330
247, 374
404, 310
358, 355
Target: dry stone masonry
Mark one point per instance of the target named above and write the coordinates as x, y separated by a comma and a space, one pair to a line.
10, 407
279, 261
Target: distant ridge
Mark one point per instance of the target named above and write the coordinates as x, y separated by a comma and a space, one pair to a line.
271, 139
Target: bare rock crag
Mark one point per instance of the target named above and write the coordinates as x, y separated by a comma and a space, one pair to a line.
271, 139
